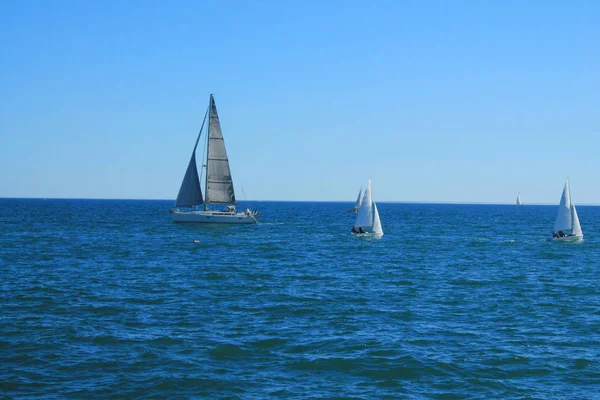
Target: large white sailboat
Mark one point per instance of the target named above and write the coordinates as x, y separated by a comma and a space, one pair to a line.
566, 226
367, 220
218, 187
358, 202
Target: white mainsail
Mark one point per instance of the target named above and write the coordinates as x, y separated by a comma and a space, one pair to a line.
364, 218
376, 221
563, 215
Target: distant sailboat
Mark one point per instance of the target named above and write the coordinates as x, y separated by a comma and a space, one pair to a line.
367, 220
519, 202
566, 226
358, 202
218, 186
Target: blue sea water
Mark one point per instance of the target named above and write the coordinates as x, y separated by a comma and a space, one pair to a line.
109, 299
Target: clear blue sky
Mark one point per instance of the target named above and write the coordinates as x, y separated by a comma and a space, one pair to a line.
459, 101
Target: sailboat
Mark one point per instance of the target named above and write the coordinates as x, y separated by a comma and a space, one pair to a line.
218, 186
519, 202
367, 220
566, 226
358, 202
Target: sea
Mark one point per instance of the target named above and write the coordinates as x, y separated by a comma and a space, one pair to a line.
109, 299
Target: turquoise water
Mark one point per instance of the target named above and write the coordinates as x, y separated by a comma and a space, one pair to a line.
104, 299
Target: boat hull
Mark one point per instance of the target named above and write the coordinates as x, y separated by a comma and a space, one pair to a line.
574, 238
212, 217
367, 234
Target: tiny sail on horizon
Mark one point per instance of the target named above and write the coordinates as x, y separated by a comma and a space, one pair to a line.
519, 202
358, 202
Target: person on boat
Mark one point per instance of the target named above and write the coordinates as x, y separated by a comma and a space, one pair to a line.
354, 229
361, 230
561, 234
554, 234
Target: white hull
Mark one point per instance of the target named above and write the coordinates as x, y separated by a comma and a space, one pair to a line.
574, 238
212, 217
367, 234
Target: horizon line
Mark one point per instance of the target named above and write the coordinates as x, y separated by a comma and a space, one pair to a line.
301, 201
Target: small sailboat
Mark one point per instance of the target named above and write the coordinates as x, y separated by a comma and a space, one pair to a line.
519, 202
218, 187
566, 226
358, 202
367, 220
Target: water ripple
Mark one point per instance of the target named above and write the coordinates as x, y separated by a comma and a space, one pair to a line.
105, 299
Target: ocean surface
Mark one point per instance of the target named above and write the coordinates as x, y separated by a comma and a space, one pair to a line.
110, 299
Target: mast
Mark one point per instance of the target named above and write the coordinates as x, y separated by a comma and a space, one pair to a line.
207, 149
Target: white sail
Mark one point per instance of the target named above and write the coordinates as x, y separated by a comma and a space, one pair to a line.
219, 185
358, 199
563, 216
376, 221
364, 218
576, 226
519, 202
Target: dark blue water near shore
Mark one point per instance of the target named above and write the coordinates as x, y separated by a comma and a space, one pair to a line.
103, 299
